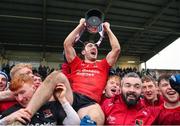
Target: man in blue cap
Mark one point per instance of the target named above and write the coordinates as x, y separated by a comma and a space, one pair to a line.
3, 81
175, 82
4, 87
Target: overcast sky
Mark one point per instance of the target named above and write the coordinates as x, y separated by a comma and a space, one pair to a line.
168, 58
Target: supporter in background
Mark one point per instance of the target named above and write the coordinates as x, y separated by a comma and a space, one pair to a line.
3, 81
6, 69
150, 91
122, 109
4, 86
42, 70
37, 80
51, 113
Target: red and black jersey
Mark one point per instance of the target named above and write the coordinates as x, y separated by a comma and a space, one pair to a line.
51, 113
66, 69
118, 113
158, 102
159, 115
89, 79
4, 105
168, 116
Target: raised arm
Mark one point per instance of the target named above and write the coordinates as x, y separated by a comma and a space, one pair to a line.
112, 56
72, 117
69, 41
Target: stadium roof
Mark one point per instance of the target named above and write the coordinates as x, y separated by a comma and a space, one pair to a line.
143, 27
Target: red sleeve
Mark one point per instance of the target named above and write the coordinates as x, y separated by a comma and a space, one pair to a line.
65, 69
106, 64
75, 60
104, 105
147, 115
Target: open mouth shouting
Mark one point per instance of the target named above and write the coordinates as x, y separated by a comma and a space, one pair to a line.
113, 91
171, 92
93, 52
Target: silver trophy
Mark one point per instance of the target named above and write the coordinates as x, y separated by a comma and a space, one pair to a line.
94, 24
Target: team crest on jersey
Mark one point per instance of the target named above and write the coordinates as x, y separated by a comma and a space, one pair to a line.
47, 113
139, 122
145, 113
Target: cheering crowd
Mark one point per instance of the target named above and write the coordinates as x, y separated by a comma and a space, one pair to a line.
83, 92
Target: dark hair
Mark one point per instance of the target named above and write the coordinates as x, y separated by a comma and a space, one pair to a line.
163, 77
86, 42
148, 78
38, 75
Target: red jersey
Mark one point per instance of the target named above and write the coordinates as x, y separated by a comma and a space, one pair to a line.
147, 115
159, 115
89, 78
65, 69
168, 116
159, 102
118, 113
103, 98
4, 105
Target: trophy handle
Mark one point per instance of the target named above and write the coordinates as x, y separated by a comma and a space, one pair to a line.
101, 33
